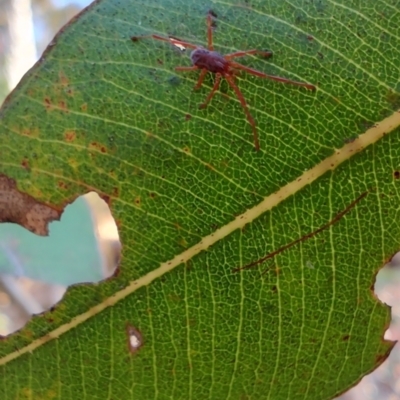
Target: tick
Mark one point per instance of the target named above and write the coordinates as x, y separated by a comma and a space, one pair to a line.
223, 66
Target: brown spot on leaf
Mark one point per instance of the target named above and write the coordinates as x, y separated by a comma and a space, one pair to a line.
345, 338
73, 163
98, 146
393, 98
22, 209
25, 163
182, 242
189, 265
63, 105
26, 132
138, 201
84, 107
69, 136
396, 174
62, 185
47, 103
63, 79
350, 139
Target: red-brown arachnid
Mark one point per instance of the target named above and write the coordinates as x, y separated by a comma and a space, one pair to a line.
223, 66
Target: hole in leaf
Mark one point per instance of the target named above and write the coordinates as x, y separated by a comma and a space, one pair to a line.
135, 339
35, 271
383, 379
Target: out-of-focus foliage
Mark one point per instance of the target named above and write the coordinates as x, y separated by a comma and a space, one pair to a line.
48, 18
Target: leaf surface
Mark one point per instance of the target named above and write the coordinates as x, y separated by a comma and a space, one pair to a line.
194, 201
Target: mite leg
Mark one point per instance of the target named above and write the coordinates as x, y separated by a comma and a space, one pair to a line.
246, 110
164, 39
203, 73
213, 90
187, 69
209, 32
194, 68
272, 77
229, 56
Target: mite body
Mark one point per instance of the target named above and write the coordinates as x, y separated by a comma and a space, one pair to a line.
212, 61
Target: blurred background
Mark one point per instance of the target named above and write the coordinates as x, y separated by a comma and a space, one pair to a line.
26, 28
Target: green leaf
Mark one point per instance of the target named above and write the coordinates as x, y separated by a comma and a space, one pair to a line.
194, 201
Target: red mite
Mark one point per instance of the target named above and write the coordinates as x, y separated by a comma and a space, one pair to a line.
223, 66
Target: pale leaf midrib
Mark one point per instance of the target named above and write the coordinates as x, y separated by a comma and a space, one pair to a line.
371, 136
